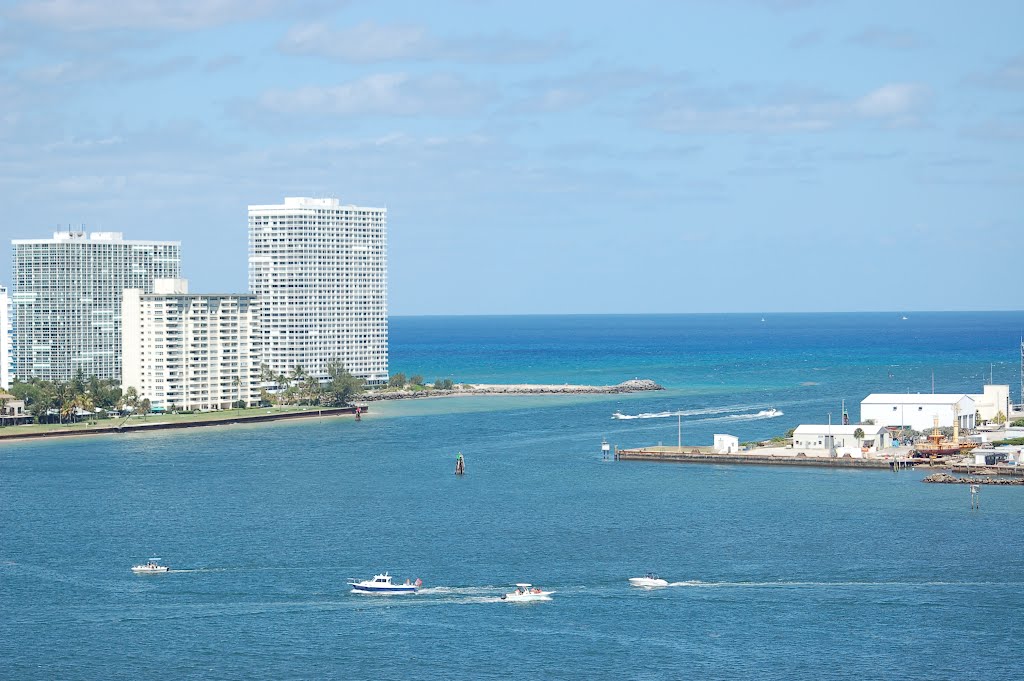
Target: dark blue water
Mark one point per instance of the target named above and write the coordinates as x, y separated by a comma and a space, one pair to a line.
780, 573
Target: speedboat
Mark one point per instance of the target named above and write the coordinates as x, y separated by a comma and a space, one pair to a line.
649, 581
150, 567
526, 593
381, 584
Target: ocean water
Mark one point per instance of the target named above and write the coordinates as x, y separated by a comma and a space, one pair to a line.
776, 573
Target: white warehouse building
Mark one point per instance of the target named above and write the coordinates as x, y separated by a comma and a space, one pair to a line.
918, 412
993, 401
190, 351
841, 438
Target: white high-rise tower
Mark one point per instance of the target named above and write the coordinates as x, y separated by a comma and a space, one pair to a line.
67, 299
319, 272
5, 339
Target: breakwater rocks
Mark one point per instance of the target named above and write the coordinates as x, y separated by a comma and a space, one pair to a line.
631, 386
948, 479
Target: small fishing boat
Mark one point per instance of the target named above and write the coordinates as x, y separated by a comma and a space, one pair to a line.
150, 567
382, 584
649, 581
527, 593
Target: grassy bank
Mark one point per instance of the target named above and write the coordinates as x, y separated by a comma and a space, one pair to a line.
85, 427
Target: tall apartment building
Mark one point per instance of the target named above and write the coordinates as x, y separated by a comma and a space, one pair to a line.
319, 271
5, 339
190, 350
67, 299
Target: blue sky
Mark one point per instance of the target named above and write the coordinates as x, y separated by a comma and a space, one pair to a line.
543, 157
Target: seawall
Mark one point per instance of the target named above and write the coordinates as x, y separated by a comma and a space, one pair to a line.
146, 427
695, 455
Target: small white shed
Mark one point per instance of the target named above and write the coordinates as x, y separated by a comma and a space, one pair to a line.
726, 444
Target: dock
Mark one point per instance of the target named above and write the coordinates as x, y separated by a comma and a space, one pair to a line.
707, 455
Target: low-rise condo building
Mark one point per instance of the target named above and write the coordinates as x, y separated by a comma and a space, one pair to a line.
190, 351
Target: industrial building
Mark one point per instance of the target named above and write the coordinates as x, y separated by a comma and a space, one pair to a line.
918, 412
841, 438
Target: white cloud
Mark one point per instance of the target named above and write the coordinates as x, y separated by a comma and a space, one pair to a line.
87, 15
886, 38
366, 42
91, 184
395, 94
1008, 75
894, 104
372, 42
893, 101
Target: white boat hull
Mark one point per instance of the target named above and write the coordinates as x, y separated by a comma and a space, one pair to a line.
397, 589
647, 582
527, 597
144, 569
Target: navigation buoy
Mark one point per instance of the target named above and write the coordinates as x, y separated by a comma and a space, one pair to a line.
460, 465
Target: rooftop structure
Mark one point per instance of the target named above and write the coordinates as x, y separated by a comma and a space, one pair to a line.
319, 271
67, 299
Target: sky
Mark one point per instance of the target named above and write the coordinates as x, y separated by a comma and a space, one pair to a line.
543, 157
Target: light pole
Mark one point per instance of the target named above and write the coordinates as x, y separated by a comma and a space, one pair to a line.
831, 448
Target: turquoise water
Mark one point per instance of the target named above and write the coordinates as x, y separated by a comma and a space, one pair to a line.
778, 573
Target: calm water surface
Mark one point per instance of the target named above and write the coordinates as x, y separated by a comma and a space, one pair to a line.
777, 573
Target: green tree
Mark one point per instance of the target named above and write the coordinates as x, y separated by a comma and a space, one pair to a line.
859, 434
999, 418
341, 386
131, 397
416, 379
397, 381
1019, 423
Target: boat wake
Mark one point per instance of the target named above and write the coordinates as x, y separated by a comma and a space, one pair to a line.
752, 416
684, 412
459, 590
696, 583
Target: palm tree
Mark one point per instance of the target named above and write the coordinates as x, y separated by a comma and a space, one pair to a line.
859, 434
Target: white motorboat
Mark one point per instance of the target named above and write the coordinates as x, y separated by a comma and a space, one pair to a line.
382, 584
649, 581
150, 567
527, 593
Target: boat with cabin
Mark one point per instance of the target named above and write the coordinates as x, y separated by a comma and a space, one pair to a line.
150, 567
382, 584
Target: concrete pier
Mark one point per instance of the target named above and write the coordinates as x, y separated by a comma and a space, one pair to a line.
706, 455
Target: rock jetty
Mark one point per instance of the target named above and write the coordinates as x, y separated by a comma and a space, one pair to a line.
948, 479
631, 386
